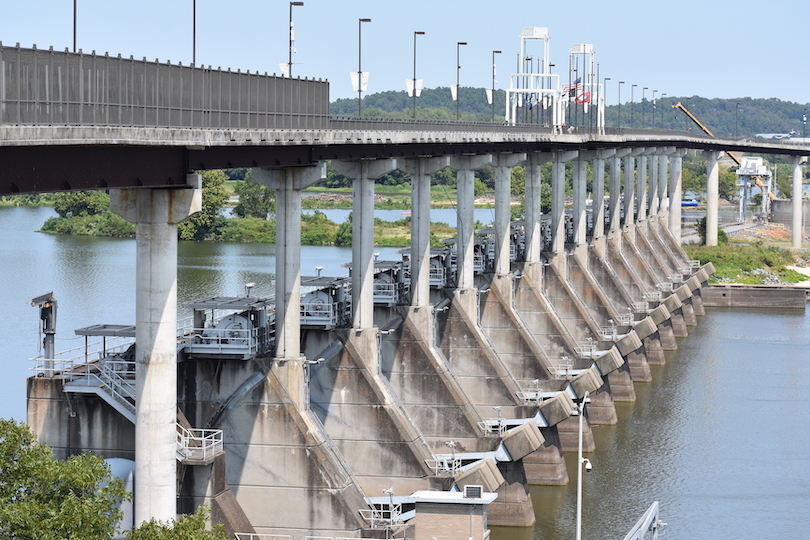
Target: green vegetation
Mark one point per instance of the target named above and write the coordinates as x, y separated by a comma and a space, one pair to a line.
42, 497
748, 264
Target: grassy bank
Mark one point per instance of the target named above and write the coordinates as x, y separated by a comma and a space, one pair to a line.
752, 264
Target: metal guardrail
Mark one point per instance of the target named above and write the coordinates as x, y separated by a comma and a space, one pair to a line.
198, 444
76, 361
257, 536
47, 87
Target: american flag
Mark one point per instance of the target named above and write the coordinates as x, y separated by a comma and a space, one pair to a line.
576, 85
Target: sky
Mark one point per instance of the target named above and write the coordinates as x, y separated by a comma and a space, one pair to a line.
707, 48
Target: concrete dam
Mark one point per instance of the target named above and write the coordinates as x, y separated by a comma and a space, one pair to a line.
342, 405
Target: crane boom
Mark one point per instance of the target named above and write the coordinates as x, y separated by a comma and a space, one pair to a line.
704, 128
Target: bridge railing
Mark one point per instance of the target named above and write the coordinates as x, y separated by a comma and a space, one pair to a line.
47, 87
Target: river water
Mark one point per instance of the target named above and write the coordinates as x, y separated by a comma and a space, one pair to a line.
719, 437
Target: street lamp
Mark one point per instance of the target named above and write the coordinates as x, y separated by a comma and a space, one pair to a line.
804, 124
620, 104
643, 97
414, 70
632, 104
75, 17
662, 110
458, 78
360, 65
736, 118
653, 111
493, 83
580, 461
292, 37
605, 97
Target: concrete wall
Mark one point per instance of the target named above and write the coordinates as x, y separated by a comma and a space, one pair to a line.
782, 212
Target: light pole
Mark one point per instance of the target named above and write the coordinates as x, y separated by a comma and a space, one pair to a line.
75, 17
620, 104
580, 461
804, 124
605, 97
360, 65
493, 83
193, 34
458, 78
632, 104
643, 98
292, 37
662, 110
653, 111
736, 118
414, 70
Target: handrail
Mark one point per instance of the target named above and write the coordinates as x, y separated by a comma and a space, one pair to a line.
198, 444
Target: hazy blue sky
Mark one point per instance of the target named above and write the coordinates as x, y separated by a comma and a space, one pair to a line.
709, 48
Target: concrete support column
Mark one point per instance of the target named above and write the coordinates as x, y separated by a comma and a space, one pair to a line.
598, 205
662, 205
156, 213
796, 235
465, 230
534, 215
614, 207
629, 190
503, 164
558, 162
675, 194
641, 185
655, 178
363, 173
288, 183
580, 181
420, 169
712, 195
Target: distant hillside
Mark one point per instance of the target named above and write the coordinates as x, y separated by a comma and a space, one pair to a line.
722, 116
433, 103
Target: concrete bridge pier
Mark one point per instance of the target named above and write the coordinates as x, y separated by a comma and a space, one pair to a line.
580, 196
796, 234
466, 294
503, 164
675, 192
363, 173
534, 215
156, 213
712, 195
558, 161
288, 183
598, 205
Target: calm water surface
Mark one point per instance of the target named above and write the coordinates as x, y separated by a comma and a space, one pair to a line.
720, 436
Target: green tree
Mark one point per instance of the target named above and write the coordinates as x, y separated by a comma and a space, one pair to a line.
44, 498
518, 180
188, 527
81, 203
255, 199
214, 195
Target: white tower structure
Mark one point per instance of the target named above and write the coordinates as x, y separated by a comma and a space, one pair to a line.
583, 89
753, 172
527, 87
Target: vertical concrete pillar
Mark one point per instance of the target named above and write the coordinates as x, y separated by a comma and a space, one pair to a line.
796, 235
712, 195
288, 183
156, 213
363, 173
559, 159
641, 185
465, 229
614, 207
534, 215
662, 205
420, 169
652, 191
598, 207
580, 181
629, 190
675, 192
503, 164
